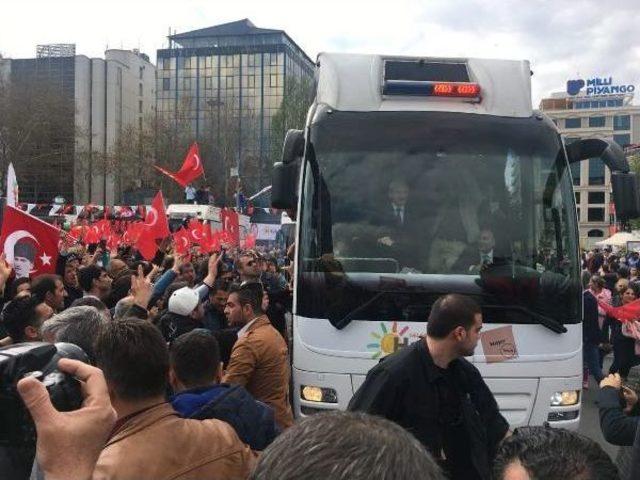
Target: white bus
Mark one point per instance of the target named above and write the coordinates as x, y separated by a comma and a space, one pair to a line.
459, 141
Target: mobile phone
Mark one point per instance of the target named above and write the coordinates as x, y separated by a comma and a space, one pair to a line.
105, 258
623, 401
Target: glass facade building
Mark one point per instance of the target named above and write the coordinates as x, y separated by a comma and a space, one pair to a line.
44, 166
226, 83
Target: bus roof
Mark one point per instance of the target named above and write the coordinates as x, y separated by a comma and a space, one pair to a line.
364, 83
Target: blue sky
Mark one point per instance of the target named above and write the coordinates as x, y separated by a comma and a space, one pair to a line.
562, 39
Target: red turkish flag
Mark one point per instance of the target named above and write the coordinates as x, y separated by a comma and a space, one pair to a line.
155, 223
133, 233
226, 239
230, 224
92, 235
196, 231
113, 242
104, 227
210, 239
30, 245
250, 241
191, 167
182, 241
147, 247
624, 313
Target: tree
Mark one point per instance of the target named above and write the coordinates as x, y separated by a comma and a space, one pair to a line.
298, 96
37, 135
159, 140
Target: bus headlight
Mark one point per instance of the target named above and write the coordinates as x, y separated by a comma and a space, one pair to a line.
318, 394
563, 399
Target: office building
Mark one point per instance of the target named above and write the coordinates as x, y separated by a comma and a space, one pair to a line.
228, 81
602, 110
92, 101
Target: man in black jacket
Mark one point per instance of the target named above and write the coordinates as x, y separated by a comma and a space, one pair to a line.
185, 312
635, 459
195, 374
432, 391
619, 409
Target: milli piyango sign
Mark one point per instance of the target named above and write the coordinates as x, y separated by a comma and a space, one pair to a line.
598, 86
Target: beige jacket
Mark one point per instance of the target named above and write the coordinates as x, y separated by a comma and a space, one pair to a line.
260, 363
157, 444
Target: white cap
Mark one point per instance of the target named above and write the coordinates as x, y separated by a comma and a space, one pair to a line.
183, 301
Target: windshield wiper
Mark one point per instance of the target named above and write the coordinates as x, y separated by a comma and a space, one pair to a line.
548, 322
346, 320
551, 323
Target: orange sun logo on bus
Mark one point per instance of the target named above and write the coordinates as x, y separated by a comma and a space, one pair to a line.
388, 341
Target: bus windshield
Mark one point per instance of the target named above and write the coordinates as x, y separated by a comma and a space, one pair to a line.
401, 207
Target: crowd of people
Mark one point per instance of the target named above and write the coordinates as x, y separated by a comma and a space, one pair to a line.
187, 376
203, 195
609, 279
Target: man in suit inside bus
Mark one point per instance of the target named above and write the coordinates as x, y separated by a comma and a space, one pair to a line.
481, 255
396, 217
396, 212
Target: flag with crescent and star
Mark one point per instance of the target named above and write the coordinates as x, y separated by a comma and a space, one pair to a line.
210, 239
191, 167
182, 241
132, 233
147, 247
196, 231
230, 225
92, 236
155, 222
30, 244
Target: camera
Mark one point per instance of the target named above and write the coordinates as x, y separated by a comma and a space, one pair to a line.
38, 360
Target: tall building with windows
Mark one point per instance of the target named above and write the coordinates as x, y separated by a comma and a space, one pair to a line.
227, 82
91, 101
588, 115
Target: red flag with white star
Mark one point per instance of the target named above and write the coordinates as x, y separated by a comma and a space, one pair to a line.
210, 239
113, 242
182, 241
196, 231
156, 224
30, 244
104, 228
230, 224
191, 167
623, 313
92, 235
132, 233
147, 247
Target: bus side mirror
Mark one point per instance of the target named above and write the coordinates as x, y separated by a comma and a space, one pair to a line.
285, 173
625, 194
609, 151
623, 182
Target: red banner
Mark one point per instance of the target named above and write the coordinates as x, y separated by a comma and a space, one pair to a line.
30, 245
